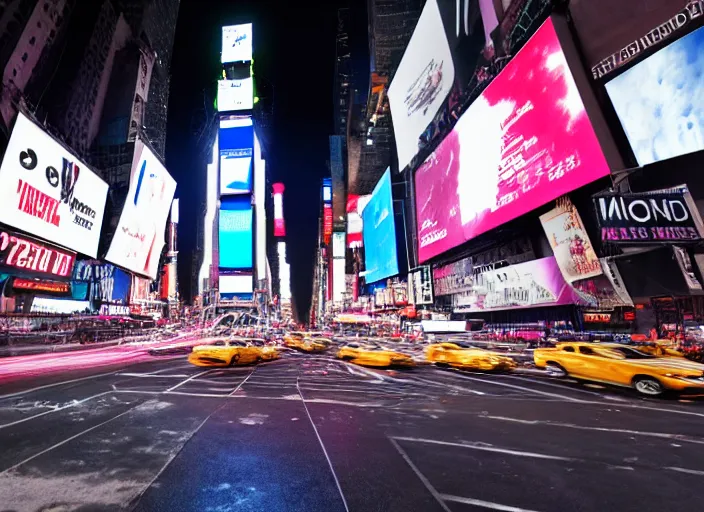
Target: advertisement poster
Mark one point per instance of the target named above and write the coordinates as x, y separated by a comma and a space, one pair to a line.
146, 66
236, 146
530, 284
235, 233
235, 95
104, 282
502, 159
420, 286
48, 192
422, 81
656, 217
279, 224
355, 226
139, 237
659, 101
236, 43
612, 273
381, 259
599, 293
26, 254
454, 278
570, 243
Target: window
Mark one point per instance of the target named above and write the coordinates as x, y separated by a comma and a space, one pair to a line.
632, 353
568, 349
586, 351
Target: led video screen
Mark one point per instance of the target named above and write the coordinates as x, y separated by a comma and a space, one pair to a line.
236, 284
235, 232
235, 95
502, 159
236, 43
422, 82
660, 101
139, 237
380, 258
236, 151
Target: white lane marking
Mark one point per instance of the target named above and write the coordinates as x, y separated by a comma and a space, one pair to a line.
152, 376
209, 395
421, 476
559, 386
242, 383
69, 439
325, 452
661, 435
57, 409
449, 386
188, 380
684, 470
521, 388
485, 504
364, 391
362, 372
484, 447
340, 402
10, 395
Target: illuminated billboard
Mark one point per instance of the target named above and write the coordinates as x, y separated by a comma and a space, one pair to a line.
502, 159
660, 101
235, 95
139, 237
422, 82
236, 284
235, 233
260, 209
46, 191
236, 43
380, 257
279, 224
355, 206
236, 143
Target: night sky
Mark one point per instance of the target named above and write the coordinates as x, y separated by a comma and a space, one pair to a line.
294, 50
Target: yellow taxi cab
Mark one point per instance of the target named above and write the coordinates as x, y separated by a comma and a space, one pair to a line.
307, 341
231, 353
660, 348
460, 355
373, 355
622, 365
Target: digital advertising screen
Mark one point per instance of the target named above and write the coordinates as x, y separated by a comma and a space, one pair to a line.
236, 284
235, 233
236, 43
502, 159
422, 82
279, 224
381, 260
660, 101
139, 237
235, 95
236, 140
49, 192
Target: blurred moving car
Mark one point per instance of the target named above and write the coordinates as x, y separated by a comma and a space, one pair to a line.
461, 355
307, 341
622, 365
231, 353
373, 355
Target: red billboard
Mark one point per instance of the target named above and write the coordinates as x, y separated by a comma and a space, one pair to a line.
327, 222
525, 141
27, 254
279, 226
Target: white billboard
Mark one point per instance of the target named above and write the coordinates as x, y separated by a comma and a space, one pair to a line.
139, 237
422, 82
260, 209
47, 191
236, 284
236, 43
235, 95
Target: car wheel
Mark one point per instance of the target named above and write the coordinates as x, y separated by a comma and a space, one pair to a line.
555, 370
235, 359
347, 358
258, 360
648, 386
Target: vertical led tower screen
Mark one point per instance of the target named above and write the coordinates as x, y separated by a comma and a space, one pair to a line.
236, 152
235, 233
236, 43
503, 159
279, 225
381, 259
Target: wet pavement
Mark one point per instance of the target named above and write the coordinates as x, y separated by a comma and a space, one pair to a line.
310, 433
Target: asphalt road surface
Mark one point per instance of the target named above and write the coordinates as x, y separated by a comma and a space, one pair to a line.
313, 434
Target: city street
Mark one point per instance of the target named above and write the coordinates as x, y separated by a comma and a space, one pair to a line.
311, 433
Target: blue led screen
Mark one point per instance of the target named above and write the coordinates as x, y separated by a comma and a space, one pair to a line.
379, 232
236, 142
235, 228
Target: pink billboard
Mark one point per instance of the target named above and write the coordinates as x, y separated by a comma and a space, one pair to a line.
525, 285
524, 142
